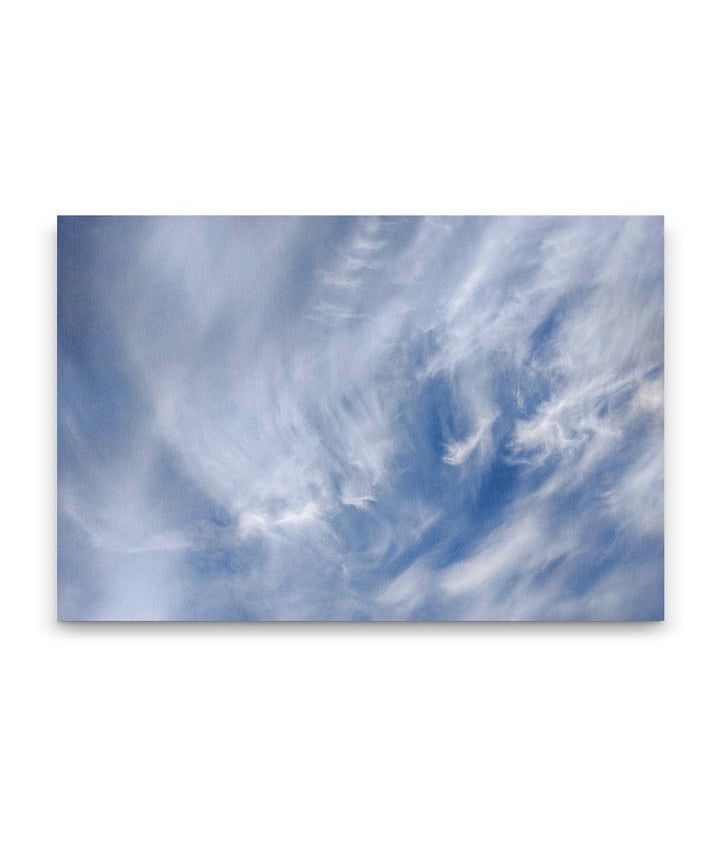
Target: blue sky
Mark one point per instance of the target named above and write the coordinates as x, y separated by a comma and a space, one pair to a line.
372, 418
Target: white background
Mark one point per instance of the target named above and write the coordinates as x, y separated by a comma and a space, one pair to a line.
502, 739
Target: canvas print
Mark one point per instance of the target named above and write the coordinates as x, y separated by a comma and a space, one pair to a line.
360, 418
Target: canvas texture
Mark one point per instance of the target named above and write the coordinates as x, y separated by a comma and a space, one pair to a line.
360, 418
